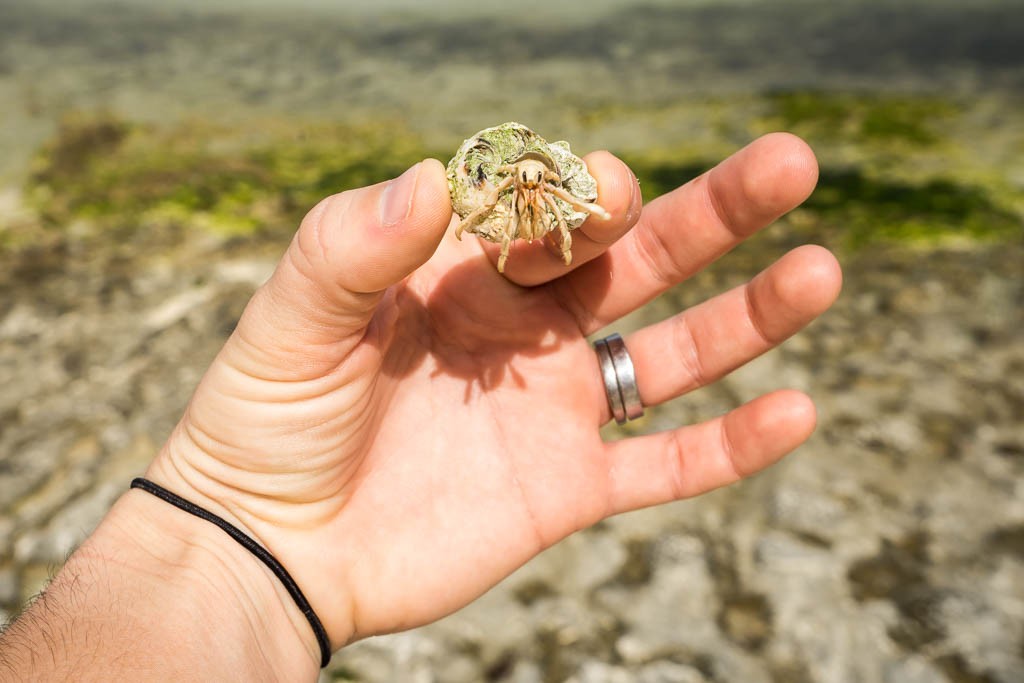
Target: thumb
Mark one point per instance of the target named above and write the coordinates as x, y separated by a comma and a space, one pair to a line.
347, 251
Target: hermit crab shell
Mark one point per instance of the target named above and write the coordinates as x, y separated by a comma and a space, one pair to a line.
473, 175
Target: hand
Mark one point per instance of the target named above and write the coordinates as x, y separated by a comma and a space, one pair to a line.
402, 427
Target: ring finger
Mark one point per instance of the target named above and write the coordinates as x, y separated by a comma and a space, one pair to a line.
706, 342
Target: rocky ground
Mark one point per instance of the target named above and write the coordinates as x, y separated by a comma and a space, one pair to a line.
889, 549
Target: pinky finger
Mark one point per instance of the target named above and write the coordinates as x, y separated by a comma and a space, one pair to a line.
685, 462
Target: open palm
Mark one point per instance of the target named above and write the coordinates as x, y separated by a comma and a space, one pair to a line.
402, 426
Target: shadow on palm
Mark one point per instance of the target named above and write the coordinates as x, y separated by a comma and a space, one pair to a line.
472, 324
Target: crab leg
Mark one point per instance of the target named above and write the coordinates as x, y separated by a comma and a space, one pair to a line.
486, 208
530, 214
510, 232
545, 215
563, 230
579, 204
542, 219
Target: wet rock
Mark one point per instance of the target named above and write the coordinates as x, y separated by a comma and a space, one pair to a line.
69, 527
806, 510
669, 672
10, 584
576, 566
34, 578
913, 670
658, 672
746, 619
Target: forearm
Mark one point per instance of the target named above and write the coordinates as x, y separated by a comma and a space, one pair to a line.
155, 594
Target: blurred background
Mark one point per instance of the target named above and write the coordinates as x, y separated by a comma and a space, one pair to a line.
154, 160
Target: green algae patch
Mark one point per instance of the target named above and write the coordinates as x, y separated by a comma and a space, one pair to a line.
860, 210
860, 118
852, 207
117, 177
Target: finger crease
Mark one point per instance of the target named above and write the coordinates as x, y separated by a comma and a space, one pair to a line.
717, 208
316, 217
686, 342
677, 466
569, 300
651, 247
729, 450
752, 315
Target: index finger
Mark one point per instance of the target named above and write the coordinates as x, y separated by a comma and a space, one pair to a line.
683, 231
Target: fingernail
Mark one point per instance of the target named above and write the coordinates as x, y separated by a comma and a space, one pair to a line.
396, 200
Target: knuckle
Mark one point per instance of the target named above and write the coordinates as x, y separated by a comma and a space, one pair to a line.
653, 251
685, 342
319, 230
716, 204
676, 454
754, 316
729, 453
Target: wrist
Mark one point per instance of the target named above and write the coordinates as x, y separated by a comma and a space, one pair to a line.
204, 589
295, 531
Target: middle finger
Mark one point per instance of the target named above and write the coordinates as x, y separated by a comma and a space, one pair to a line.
688, 228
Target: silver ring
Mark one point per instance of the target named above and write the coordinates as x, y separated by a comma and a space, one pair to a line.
619, 379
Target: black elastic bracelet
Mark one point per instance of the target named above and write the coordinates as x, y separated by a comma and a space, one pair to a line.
253, 547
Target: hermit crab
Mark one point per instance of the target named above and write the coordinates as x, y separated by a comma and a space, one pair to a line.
507, 182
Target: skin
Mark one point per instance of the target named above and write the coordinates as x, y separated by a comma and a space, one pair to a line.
402, 426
